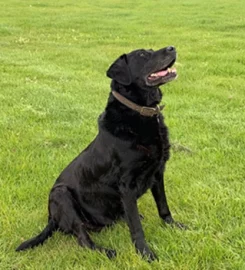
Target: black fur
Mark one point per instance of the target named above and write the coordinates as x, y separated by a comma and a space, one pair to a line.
128, 156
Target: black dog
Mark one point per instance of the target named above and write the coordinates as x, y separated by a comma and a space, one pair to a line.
126, 158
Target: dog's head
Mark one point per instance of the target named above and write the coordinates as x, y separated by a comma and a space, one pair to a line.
144, 68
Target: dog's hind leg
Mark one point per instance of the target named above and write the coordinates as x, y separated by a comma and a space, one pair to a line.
84, 240
65, 210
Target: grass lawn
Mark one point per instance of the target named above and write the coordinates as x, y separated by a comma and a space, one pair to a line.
53, 59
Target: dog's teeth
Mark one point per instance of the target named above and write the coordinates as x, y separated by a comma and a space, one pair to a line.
169, 70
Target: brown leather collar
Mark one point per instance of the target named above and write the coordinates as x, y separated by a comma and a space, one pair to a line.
145, 111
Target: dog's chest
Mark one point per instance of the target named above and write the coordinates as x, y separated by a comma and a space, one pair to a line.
153, 152
152, 141
151, 149
141, 149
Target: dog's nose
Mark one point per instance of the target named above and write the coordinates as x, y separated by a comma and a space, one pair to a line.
170, 48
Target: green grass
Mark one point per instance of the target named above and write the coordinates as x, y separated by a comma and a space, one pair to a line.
53, 59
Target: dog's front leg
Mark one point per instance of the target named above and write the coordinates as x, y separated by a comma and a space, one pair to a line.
159, 195
133, 220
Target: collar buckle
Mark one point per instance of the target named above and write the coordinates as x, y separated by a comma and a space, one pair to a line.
149, 111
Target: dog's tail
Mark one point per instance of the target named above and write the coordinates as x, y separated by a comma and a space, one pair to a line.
39, 239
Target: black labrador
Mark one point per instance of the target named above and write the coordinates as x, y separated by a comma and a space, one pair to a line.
127, 157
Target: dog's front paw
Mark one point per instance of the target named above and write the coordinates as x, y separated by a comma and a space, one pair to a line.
169, 220
146, 253
150, 256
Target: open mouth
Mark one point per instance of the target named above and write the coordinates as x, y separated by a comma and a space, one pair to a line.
162, 76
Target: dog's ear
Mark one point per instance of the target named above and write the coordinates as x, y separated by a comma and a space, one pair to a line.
119, 71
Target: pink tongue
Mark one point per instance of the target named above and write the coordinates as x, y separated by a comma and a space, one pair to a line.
162, 73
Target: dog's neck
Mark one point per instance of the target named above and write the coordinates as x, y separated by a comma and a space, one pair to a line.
142, 97
122, 121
